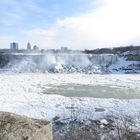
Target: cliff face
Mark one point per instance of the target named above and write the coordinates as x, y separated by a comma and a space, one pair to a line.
133, 57
15, 127
6, 58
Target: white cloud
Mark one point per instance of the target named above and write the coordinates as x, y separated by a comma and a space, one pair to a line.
15, 12
114, 23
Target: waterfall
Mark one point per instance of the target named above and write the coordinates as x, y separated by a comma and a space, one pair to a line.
104, 59
64, 63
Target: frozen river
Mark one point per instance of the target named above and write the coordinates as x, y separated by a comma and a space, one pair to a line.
49, 95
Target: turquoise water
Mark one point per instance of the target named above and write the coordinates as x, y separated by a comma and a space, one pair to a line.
97, 91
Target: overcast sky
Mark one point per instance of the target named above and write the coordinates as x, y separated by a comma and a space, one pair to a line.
77, 24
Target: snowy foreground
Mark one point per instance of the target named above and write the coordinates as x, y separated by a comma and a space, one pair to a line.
22, 94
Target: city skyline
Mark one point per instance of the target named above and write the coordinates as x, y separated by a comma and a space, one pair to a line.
79, 24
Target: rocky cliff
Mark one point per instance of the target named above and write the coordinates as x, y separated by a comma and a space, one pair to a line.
16, 127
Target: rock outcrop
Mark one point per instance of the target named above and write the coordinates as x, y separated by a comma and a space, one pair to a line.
16, 127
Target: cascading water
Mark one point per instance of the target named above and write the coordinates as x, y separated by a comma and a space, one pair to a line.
104, 59
64, 63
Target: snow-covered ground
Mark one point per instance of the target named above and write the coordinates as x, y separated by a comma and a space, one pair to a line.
22, 94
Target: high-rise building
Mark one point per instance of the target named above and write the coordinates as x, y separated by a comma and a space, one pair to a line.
14, 46
28, 46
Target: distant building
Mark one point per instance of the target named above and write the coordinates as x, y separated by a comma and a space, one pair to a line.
29, 46
42, 50
14, 46
64, 49
51, 51
35, 48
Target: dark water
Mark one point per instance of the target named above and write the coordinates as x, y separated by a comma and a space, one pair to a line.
96, 91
